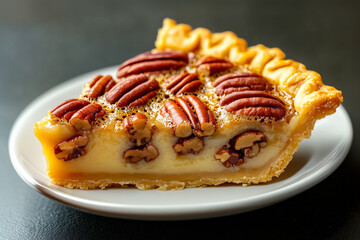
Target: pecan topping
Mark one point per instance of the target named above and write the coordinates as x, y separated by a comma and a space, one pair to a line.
139, 131
245, 145
68, 108
100, 85
83, 118
132, 91
206, 118
72, 148
189, 145
182, 126
236, 82
184, 82
147, 153
254, 103
152, 63
80, 112
229, 157
143, 100
184, 119
209, 65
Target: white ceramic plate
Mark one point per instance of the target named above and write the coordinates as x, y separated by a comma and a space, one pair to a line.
316, 159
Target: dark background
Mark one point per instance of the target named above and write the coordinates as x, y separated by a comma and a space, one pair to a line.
43, 43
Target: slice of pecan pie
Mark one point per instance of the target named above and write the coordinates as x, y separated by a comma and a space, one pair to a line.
200, 109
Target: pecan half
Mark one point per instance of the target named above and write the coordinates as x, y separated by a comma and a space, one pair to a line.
80, 112
245, 145
83, 118
143, 100
192, 145
67, 108
152, 62
72, 148
235, 82
148, 152
205, 117
210, 65
182, 126
100, 85
254, 103
184, 118
138, 129
184, 82
229, 157
133, 91
251, 142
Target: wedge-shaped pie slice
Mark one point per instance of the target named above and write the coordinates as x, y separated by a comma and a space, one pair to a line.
200, 109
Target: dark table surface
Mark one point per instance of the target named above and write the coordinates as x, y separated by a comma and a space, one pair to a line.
43, 43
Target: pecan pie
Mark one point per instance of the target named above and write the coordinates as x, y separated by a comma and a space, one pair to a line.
200, 109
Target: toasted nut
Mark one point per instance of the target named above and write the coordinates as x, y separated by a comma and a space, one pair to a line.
68, 108
253, 151
229, 157
186, 108
143, 100
72, 148
83, 118
209, 65
139, 131
95, 80
100, 85
201, 123
80, 113
123, 87
204, 115
182, 126
236, 82
147, 153
254, 103
251, 142
152, 62
182, 83
245, 145
183, 130
192, 145
132, 91
138, 92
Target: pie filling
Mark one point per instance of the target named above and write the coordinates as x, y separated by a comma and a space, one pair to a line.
104, 157
175, 119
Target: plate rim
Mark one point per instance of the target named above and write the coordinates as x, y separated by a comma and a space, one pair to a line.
158, 212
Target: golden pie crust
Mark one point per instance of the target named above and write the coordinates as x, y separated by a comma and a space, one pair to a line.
184, 148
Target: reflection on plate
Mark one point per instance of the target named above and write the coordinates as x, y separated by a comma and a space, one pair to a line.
316, 159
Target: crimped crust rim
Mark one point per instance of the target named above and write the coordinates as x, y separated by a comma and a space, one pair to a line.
311, 97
